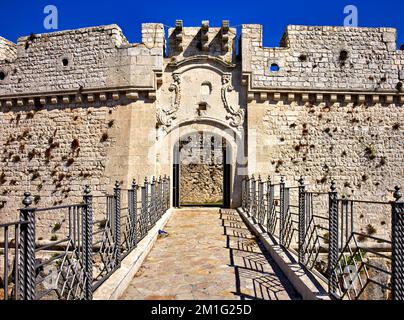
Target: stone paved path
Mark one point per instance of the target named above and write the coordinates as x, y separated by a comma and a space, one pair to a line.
208, 255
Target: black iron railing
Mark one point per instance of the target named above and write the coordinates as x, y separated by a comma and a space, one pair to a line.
9, 286
87, 245
325, 233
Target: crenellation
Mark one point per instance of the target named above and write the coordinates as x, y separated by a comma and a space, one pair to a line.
324, 58
184, 42
85, 59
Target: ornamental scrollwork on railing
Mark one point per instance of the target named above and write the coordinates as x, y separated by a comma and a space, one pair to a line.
235, 114
166, 115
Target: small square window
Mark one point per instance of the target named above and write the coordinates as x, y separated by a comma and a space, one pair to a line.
274, 67
203, 106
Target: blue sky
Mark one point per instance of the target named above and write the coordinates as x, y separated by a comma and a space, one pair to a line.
22, 17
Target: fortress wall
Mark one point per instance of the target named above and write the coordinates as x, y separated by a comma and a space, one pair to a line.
53, 152
54, 105
325, 117
40, 68
82, 59
309, 59
360, 147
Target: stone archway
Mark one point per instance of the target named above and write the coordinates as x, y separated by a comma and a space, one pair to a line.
168, 159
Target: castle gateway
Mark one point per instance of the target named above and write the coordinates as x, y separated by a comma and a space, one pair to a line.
86, 106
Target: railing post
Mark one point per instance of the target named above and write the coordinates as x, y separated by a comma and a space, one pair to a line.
153, 200
161, 192
166, 193
302, 227
146, 204
243, 194
282, 210
134, 211
117, 197
143, 213
269, 202
163, 195
397, 235
27, 262
87, 224
254, 196
248, 195
333, 234
159, 199
260, 200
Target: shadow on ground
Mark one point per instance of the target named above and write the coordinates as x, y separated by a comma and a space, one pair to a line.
257, 277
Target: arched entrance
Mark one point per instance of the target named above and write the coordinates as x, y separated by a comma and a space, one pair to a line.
201, 170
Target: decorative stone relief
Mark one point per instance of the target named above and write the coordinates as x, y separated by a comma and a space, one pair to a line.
235, 114
166, 115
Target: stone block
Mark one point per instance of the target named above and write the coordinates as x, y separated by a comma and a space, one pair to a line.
134, 51
389, 37
145, 60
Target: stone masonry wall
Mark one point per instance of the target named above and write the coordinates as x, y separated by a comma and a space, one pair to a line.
201, 184
8, 50
52, 147
310, 58
76, 60
358, 146
53, 152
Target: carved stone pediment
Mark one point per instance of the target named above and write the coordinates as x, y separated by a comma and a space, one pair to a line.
236, 114
200, 89
166, 115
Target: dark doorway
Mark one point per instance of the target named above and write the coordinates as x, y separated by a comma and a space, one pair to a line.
201, 171
176, 180
226, 179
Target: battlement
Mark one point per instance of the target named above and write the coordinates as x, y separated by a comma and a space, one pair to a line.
324, 58
113, 30
309, 58
95, 58
383, 38
219, 42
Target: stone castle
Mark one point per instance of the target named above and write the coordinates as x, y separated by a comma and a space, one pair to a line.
86, 106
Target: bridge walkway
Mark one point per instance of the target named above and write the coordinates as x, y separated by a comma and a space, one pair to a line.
208, 254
